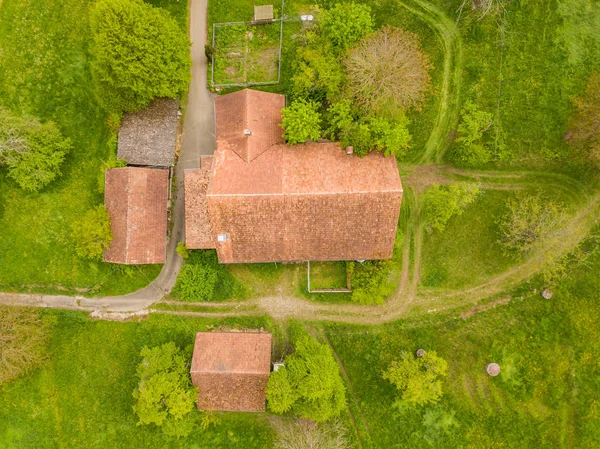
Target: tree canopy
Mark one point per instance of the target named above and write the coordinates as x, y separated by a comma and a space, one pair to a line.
419, 379
441, 203
139, 53
471, 148
165, 395
92, 233
301, 122
32, 151
309, 384
347, 23
388, 72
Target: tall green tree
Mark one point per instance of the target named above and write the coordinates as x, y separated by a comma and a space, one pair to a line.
33, 152
139, 53
165, 395
347, 23
92, 233
419, 379
309, 384
301, 122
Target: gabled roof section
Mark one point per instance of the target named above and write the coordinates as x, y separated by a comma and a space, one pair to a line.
198, 234
149, 137
248, 122
136, 200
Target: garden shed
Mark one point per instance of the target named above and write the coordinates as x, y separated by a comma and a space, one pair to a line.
263, 13
231, 370
136, 200
149, 137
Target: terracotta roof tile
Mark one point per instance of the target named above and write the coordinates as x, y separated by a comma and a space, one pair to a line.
198, 234
136, 200
231, 370
252, 110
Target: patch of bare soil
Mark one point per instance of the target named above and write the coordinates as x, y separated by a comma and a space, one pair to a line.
483, 307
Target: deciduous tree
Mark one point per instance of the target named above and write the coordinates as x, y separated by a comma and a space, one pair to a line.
347, 23
32, 151
471, 148
92, 233
301, 122
139, 53
309, 384
419, 379
388, 72
165, 396
441, 203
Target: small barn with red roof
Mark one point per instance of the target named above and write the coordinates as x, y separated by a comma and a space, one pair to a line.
231, 370
136, 200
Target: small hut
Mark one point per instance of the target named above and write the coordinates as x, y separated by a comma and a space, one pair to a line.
263, 14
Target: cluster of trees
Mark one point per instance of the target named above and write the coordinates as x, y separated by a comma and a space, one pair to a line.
352, 84
309, 385
32, 151
165, 395
138, 52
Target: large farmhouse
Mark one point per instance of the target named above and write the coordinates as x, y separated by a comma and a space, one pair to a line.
260, 200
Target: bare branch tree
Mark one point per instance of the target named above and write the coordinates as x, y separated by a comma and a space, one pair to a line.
388, 71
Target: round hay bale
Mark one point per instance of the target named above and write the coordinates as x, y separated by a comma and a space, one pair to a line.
546, 293
420, 352
493, 369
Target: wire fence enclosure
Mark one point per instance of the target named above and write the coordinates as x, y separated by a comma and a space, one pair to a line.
246, 53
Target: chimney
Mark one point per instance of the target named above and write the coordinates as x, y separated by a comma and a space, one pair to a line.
247, 132
349, 150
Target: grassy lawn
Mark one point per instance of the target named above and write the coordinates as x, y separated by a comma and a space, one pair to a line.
81, 396
327, 275
546, 395
45, 72
467, 252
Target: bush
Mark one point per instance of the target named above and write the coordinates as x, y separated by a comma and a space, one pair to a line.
529, 222
370, 281
309, 385
301, 122
24, 335
388, 72
317, 73
202, 278
32, 151
165, 395
471, 149
441, 203
418, 378
92, 233
139, 53
347, 23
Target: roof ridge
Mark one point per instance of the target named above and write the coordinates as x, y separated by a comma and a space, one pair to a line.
247, 138
128, 228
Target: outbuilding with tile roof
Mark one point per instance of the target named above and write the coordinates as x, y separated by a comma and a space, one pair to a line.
231, 370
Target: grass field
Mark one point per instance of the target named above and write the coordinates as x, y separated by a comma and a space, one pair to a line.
546, 395
81, 396
45, 72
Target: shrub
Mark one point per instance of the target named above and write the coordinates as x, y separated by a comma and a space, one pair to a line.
139, 53
92, 233
471, 149
347, 23
418, 378
24, 334
32, 151
388, 72
339, 118
375, 133
441, 203
309, 384
317, 72
370, 281
165, 395
529, 222
301, 122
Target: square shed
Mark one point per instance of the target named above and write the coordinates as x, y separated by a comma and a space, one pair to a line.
231, 370
263, 13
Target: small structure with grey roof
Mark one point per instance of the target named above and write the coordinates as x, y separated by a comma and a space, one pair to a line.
231, 370
149, 137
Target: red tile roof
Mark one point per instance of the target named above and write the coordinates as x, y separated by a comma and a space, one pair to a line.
257, 112
304, 202
136, 200
231, 370
198, 234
